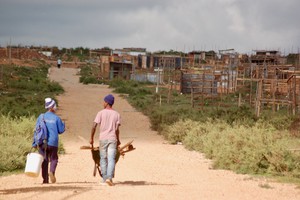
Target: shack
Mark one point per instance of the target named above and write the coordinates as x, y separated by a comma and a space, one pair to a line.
120, 70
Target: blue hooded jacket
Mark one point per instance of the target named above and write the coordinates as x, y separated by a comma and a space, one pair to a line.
55, 127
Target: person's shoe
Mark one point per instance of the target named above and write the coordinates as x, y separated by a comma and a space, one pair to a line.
109, 182
52, 177
103, 183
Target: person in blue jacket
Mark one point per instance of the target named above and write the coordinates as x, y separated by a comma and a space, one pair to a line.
55, 126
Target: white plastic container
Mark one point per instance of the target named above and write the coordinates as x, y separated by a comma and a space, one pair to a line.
33, 164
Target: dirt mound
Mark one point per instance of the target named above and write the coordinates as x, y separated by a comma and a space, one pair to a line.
21, 53
21, 56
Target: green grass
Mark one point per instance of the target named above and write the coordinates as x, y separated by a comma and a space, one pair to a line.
90, 75
24, 89
260, 149
15, 141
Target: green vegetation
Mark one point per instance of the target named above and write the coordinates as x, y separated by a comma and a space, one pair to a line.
89, 75
79, 53
15, 141
260, 149
23, 90
70, 54
22, 93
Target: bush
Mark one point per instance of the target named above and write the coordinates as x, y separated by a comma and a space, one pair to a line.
15, 141
260, 149
164, 116
24, 94
234, 115
178, 132
279, 120
90, 75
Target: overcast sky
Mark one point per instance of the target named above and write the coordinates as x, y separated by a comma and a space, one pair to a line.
244, 25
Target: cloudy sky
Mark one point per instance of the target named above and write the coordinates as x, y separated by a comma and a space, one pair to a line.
244, 25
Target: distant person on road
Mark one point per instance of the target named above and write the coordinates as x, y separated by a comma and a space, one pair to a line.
49, 150
59, 63
109, 141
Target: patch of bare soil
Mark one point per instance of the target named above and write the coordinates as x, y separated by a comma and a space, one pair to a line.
155, 170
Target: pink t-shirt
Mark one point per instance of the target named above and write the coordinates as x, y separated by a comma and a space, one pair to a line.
109, 121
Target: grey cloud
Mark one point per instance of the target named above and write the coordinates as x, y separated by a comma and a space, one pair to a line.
155, 25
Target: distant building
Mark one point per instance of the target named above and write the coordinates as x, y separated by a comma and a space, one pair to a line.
196, 58
136, 51
202, 57
293, 59
166, 61
266, 57
129, 51
101, 52
136, 56
120, 70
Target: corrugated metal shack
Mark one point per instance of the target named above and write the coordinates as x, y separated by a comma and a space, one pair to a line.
208, 84
198, 83
208, 81
120, 70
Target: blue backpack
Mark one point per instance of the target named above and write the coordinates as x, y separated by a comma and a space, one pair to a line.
40, 132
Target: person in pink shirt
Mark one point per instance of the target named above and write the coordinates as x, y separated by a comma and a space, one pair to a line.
109, 141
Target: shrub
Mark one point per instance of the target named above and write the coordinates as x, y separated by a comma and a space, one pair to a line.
90, 75
279, 120
234, 115
24, 95
165, 115
260, 149
178, 132
15, 141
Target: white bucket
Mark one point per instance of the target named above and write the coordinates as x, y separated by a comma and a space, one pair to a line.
33, 164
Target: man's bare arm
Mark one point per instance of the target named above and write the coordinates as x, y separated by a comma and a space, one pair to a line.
93, 133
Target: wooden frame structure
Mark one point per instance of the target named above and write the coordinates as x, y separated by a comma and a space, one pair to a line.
270, 86
262, 87
208, 84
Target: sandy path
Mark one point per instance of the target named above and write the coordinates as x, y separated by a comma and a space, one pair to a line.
155, 170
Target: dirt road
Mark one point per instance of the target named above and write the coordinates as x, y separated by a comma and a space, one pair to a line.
155, 170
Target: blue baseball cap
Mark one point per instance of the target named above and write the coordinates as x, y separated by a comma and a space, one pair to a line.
110, 99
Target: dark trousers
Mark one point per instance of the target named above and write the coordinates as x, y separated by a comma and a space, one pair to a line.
50, 155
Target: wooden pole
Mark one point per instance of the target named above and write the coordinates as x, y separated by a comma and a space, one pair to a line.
169, 88
160, 100
9, 51
273, 94
1, 78
202, 92
294, 95
251, 76
192, 94
258, 97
